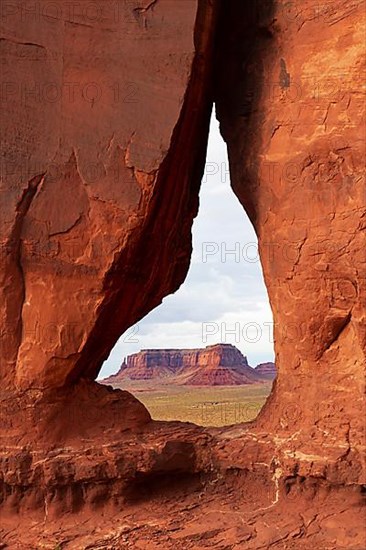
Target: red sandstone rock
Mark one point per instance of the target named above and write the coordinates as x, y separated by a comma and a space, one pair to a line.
266, 370
103, 120
219, 365
291, 106
216, 365
104, 128
156, 363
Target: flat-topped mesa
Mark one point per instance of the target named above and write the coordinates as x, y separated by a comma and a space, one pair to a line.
219, 364
169, 358
154, 363
266, 370
222, 355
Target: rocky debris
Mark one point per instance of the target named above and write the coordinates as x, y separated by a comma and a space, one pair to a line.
266, 370
215, 365
173, 496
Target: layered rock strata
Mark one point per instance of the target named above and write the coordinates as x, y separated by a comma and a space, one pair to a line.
266, 370
103, 134
220, 364
290, 100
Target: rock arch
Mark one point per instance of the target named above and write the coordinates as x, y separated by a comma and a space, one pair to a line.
99, 190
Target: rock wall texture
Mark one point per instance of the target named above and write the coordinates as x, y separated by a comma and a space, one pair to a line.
267, 370
147, 362
103, 144
219, 364
291, 105
103, 136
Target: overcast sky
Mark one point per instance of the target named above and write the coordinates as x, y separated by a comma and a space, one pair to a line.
223, 298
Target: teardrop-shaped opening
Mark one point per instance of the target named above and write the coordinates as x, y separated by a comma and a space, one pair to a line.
205, 355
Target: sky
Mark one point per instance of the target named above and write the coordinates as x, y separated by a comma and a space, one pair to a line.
223, 298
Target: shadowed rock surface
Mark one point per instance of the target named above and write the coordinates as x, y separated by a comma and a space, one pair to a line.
98, 172
103, 136
295, 144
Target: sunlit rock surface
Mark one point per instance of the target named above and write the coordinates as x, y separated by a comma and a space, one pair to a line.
104, 129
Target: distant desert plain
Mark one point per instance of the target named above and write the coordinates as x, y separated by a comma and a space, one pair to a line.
214, 386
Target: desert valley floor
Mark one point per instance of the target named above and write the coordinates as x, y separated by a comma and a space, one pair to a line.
202, 405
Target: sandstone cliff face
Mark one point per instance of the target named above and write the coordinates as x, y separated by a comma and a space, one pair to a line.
220, 364
291, 105
266, 370
154, 363
105, 121
103, 135
148, 363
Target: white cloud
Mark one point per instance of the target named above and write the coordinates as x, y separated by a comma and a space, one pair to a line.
224, 285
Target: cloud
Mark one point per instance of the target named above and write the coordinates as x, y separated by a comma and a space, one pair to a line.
224, 286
